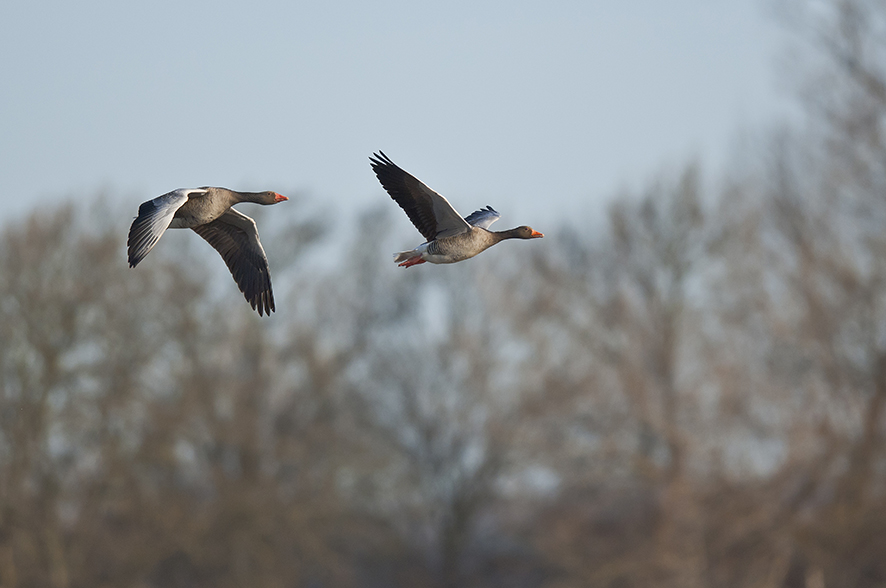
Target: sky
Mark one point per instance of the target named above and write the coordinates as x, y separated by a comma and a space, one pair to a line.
543, 110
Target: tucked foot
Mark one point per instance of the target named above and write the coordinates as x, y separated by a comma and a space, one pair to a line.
412, 261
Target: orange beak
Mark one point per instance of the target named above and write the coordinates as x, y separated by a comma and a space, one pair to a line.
536, 235
280, 198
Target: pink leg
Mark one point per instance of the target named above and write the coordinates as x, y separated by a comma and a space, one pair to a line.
412, 261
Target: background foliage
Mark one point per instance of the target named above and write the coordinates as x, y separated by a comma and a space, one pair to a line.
691, 396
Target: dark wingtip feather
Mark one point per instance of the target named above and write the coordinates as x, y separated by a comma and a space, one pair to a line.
135, 243
380, 158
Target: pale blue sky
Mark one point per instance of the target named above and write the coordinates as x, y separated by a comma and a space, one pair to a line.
537, 108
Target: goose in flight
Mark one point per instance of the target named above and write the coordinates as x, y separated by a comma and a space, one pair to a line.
450, 238
208, 212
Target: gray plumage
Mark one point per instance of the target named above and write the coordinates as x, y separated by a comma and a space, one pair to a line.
207, 211
450, 238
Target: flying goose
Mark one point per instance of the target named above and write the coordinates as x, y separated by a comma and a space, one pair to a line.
208, 212
450, 238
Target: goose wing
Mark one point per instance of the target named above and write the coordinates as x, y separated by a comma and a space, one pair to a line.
430, 212
483, 217
235, 236
152, 221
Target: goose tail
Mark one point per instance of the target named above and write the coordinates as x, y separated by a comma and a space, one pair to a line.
406, 255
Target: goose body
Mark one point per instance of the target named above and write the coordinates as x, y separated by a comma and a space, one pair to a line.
208, 212
450, 238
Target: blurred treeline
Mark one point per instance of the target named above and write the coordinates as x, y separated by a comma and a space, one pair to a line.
691, 394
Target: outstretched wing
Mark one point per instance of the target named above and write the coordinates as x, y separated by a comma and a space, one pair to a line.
483, 217
235, 236
430, 212
152, 221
